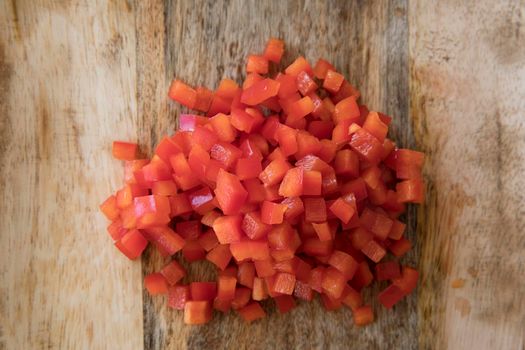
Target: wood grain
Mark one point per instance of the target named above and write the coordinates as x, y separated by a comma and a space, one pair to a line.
67, 89
206, 41
467, 88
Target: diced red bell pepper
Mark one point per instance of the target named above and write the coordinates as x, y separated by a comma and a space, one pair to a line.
220, 256
124, 150
412, 191
363, 276
377, 223
166, 238
363, 315
292, 184
274, 50
285, 303
259, 291
228, 228
303, 291
197, 312
347, 90
242, 297
321, 68
274, 172
397, 230
346, 163
315, 209
109, 208
193, 251
323, 231
223, 128
173, 272
305, 83
408, 280
333, 282
343, 210
300, 109
294, 206
200, 291
251, 312
179, 204
374, 251
400, 247
227, 89
390, 296
272, 213
189, 230
259, 92
246, 274
178, 296
132, 244
298, 66
344, 262
156, 284
201, 200
208, 240
183, 174
248, 168
205, 137
284, 283
346, 110
366, 145
316, 247
182, 93
375, 126
409, 164
164, 188
230, 194
387, 271
264, 268
329, 303
253, 226
352, 299
333, 81
203, 100
257, 64
116, 230
248, 249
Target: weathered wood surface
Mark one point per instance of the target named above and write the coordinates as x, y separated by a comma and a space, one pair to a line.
75, 75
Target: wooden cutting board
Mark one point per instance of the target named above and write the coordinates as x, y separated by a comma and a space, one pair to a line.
75, 75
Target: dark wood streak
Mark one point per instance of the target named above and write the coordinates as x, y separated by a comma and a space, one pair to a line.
206, 41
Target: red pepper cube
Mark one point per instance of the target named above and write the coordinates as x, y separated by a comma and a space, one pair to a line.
220, 256
156, 284
166, 238
223, 128
305, 83
274, 172
264, 268
248, 168
248, 249
357, 187
316, 278
374, 251
314, 209
208, 240
130, 167
132, 244
346, 163
173, 272
229, 192
242, 297
333, 282
329, 303
288, 86
300, 109
372, 177
312, 183
375, 126
363, 276
340, 134
205, 137
353, 299
408, 280
303, 291
397, 230
179, 204
198, 161
284, 283
347, 110
347, 90
316, 247
259, 291
259, 92
255, 189
228, 228
116, 230
225, 153
193, 251
343, 210
343, 262
377, 223
323, 231
321, 68
189, 230
203, 100
109, 208
274, 50
400, 247
366, 145
390, 296
182, 93
284, 303
294, 206
167, 148
246, 274
203, 291
253, 226
292, 184
242, 121
164, 188
387, 271
409, 164
251, 312
333, 81
226, 287
178, 296
257, 64
202, 200
412, 191
188, 122
227, 89
299, 65
363, 315
124, 150
219, 105
197, 312
272, 213
183, 174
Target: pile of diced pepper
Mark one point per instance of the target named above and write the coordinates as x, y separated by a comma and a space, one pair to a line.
287, 185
